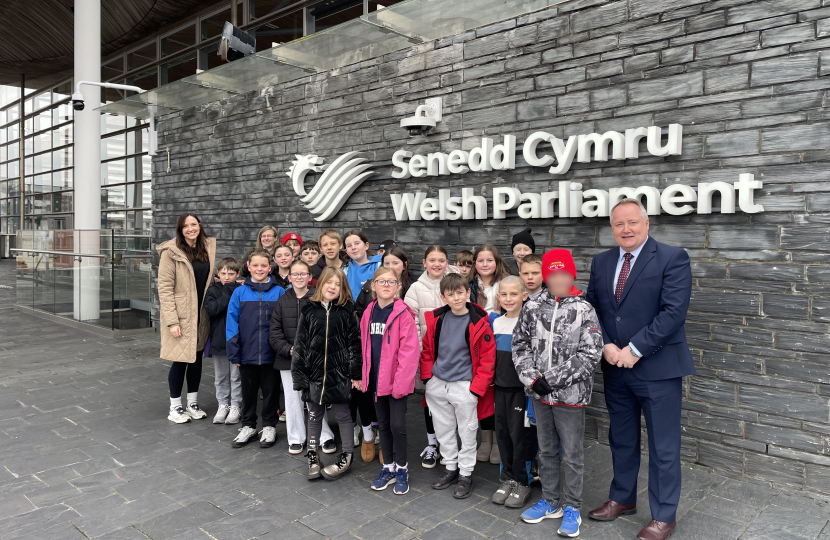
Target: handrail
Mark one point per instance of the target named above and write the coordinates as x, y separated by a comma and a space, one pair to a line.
66, 253
71, 254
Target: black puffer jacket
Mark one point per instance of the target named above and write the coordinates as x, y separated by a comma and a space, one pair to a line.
281, 281
283, 328
327, 354
216, 303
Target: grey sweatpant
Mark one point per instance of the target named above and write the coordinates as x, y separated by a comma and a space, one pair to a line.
227, 381
555, 425
453, 408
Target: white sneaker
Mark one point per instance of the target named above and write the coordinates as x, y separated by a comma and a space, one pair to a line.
357, 432
221, 414
245, 435
282, 416
195, 412
269, 437
377, 437
233, 416
178, 415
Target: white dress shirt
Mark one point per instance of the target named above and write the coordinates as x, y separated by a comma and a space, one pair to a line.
636, 255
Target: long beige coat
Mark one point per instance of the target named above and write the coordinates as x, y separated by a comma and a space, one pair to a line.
177, 298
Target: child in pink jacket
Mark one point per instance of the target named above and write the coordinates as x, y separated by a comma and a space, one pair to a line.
390, 359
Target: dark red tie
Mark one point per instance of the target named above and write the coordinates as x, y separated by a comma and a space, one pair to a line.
626, 268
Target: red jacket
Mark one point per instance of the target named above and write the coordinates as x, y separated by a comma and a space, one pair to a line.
482, 350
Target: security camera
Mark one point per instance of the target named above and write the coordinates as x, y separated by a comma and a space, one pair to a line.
78, 101
426, 116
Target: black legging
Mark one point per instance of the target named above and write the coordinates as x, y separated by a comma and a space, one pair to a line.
180, 370
488, 424
364, 403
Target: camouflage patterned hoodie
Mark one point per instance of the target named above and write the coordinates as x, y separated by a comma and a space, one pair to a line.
568, 361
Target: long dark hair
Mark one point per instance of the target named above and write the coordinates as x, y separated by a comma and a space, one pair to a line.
502, 270
406, 279
201, 240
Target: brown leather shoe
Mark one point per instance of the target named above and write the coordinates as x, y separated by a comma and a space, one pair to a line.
612, 510
657, 530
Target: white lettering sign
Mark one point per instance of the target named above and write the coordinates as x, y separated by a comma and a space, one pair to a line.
540, 149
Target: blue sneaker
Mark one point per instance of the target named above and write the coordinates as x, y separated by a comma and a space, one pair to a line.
570, 523
385, 478
541, 510
402, 484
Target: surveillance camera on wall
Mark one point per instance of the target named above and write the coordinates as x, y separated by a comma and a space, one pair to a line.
235, 43
78, 101
426, 116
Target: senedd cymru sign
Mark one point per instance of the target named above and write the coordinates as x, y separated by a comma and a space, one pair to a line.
348, 172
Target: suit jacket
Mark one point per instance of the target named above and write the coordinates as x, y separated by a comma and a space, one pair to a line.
652, 309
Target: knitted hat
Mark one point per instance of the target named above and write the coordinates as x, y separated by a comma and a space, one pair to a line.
387, 244
523, 238
558, 260
292, 236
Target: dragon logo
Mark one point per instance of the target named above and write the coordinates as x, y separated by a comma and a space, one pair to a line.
335, 186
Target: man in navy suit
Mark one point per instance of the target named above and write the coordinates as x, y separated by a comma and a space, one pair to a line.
641, 293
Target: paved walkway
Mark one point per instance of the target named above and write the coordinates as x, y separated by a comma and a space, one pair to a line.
88, 453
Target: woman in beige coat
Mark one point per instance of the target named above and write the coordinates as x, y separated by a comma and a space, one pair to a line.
185, 272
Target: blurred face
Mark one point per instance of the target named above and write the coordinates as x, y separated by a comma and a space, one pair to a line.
560, 284
457, 299
521, 251
330, 247
259, 267
386, 286
485, 264
310, 256
629, 227
380, 252
331, 289
390, 261
299, 277
191, 230
463, 269
226, 275
294, 245
511, 297
284, 257
532, 276
436, 264
356, 248
268, 239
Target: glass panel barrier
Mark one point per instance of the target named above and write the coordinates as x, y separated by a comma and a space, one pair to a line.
99, 277
380, 32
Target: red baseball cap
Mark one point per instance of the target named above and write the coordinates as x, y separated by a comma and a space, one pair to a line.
558, 260
291, 236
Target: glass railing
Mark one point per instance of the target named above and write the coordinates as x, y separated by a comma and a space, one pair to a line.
98, 277
381, 32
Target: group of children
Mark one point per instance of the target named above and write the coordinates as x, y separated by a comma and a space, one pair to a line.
511, 356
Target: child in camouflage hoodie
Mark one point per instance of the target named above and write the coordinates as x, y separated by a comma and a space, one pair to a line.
557, 345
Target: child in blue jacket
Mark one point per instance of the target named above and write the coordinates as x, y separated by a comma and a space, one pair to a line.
249, 319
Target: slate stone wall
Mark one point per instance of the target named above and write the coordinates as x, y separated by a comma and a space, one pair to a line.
747, 79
